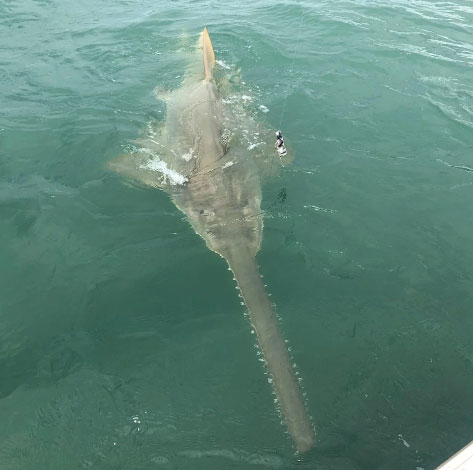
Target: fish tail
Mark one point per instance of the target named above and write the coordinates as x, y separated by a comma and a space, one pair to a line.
208, 55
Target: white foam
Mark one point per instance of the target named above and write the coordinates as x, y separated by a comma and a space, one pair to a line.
319, 209
169, 175
263, 108
223, 64
188, 156
401, 438
252, 146
226, 166
246, 98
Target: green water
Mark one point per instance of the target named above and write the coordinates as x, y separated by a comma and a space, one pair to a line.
123, 344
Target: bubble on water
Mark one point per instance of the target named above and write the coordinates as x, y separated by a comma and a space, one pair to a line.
263, 108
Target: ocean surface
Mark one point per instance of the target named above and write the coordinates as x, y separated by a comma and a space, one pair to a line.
123, 343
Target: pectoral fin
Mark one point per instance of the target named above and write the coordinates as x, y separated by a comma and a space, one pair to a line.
133, 167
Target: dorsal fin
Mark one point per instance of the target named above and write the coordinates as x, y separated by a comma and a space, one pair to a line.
208, 54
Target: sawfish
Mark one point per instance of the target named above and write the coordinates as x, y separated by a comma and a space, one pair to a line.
209, 156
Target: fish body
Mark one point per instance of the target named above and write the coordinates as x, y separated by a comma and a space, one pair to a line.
200, 157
